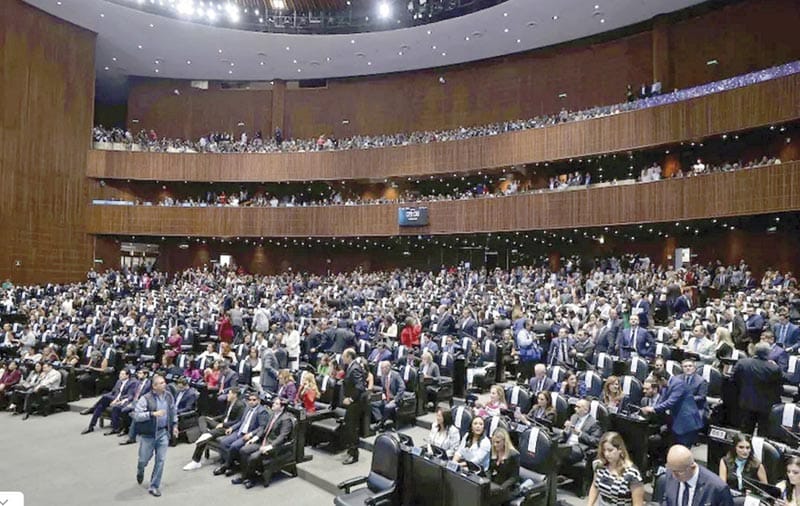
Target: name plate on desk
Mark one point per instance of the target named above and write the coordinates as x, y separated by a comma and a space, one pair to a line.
717, 433
453, 466
416, 451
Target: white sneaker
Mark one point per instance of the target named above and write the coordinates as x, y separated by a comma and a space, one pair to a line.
191, 466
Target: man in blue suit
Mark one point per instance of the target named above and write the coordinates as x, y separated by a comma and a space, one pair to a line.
688, 484
682, 304
392, 388
250, 427
640, 307
686, 420
185, 397
122, 393
697, 385
776, 353
637, 338
787, 334
559, 348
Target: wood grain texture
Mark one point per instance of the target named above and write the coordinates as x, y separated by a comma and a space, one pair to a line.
766, 103
46, 102
747, 192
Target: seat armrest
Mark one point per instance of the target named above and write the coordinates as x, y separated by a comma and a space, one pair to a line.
346, 485
381, 498
187, 414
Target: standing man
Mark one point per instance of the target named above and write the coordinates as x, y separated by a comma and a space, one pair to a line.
156, 418
687, 483
758, 381
355, 387
636, 339
677, 399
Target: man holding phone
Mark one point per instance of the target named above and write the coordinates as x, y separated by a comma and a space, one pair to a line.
156, 418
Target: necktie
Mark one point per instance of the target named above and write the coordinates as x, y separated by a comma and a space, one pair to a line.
633, 337
686, 493
269, 429
386, 386
783, 333
246, 425
121, 389
540, 385
564, 350
228, 414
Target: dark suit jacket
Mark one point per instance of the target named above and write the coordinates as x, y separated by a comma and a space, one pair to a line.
446, 324
355, 382
606, 340
644, 314
591, 432
792, 340
711, 490
397, 386
645, 343
759, 384
698, 387
468, 327
281, 431
258, 423
680, 306
504, 476
547, 384
235, 415
780, 357
677, 398
188, 400
127, 394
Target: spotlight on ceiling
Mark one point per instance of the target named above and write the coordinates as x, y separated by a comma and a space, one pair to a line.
233, 13
384, 10
278, 4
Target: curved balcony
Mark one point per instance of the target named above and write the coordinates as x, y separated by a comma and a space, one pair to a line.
752, 191
773, 101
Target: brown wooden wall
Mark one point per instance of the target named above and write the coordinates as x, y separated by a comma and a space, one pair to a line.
767, 103
744, 36
757, 191
46, 98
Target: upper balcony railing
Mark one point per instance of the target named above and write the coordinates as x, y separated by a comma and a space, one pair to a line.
774, 188
697, 114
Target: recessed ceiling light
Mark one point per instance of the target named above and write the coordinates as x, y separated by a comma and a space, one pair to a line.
102, 15
352, 41
232, 64
429, 32
602, 20
139, 46
400, 53
299, 70
152, 25
596, 7
505, 30
219, 51
369, 63
114, 59
466, 38
518, 41
433, 47
555, 18
505, 14
58, 3
328, 58
105, 68
294, 61
262, 63
444, 54
156, 71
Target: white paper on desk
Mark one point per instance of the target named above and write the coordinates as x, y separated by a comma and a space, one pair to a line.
788, 415
752, 501
792, 364
707, 373
533, 438
515, 395
758, 447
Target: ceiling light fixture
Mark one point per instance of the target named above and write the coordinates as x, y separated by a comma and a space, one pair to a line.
384, 10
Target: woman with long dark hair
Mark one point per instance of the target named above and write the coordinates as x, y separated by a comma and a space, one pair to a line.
740, 463
616, 480
790, 487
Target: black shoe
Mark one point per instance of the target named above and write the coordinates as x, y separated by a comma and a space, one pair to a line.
266, 479
87, 411
220, 470
111, 433
230, 472
139, 478
350, 460
238, 481
27, 415
248, 484
127, 442
87, 430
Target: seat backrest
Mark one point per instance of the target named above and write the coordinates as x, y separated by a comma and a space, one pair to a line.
783, 418
793, 372
672, 368
632, 388
604, 364
410, 377
535, 451
517, 396
592, 382
446, 361
385, 463
771, 457
64, 378
364, 348
556, 373
466, 345
714, 379
658, 487
489, 351
462, 419
599, 412
492, 423
327, 389
637, 366
561, 406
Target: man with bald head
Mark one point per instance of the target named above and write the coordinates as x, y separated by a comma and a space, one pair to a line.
689, 484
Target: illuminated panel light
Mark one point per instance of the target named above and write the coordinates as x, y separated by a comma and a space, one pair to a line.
233, 13
185, 7
211, 14
278, 4
384, 10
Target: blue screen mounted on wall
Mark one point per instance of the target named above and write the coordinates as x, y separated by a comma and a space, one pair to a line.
412, 216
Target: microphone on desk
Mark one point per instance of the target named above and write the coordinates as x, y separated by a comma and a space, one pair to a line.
768, 496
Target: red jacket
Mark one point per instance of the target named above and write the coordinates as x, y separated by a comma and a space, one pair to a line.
409, 336
225, 330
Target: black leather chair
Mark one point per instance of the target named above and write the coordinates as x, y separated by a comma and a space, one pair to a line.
557, 373
663, 351
672, 368
792, 378
55, 398
772, 458
561, 405
382, 483
329, 426
599, 412
400, 355
493, 423
637, 367
785, 433
537, 469
441, 389
518, 397
632, 388
593, 383
604, 364
282, 458
462, 419
407, 405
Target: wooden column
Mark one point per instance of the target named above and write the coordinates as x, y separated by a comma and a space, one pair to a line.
278, 106
662, 71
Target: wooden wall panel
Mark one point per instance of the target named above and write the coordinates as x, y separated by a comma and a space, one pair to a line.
46, 98
191, 112
770, 102
747, 192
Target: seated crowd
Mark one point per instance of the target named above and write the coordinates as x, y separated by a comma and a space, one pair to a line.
568, 354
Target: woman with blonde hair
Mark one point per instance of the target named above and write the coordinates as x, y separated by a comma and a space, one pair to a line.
287, 389
503, 467
616, 480
308, 392
612, 393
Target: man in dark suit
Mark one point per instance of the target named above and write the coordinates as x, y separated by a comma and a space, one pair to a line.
217, 426
776, 353
758, 381
641, 307
269, 370
688, 484
392, 387
738, 329
682, 304
696, 384
581, 432
540, 381
676, 398
257, 456
559, 348
354, 388
467, 327
122, 393
446, 324
640, 339
249, 428
606, 340
121, 413
185, 396
754, 325
787, 334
